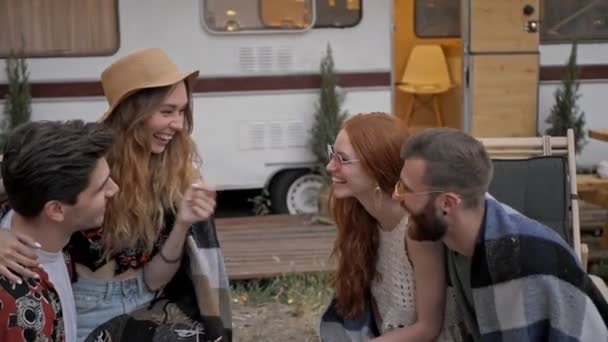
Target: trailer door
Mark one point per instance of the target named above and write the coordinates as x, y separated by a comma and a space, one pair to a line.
501, 67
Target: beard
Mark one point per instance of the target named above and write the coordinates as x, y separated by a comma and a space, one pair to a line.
426, 225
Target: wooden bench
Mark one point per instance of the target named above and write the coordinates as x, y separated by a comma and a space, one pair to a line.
594, 189
267, 246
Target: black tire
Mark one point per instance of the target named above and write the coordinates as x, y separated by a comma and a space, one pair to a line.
280, 186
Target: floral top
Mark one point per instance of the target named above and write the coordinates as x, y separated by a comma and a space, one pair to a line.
30, 311
86, 248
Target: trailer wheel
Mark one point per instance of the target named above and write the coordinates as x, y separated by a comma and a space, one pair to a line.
296, 192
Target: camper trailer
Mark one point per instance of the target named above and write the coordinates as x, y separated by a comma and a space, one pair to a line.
487, 67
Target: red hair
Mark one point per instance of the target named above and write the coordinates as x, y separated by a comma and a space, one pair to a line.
376, 139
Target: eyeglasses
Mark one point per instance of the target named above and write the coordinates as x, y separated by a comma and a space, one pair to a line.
338, 157
401, 190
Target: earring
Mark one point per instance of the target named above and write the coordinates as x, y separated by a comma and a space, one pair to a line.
377, 196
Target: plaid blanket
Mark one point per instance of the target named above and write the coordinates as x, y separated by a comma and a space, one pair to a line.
335, 328
528, 285
194, 306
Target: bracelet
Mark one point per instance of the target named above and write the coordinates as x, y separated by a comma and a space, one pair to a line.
167, 260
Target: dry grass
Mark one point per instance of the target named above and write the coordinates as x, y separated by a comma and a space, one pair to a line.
286, 308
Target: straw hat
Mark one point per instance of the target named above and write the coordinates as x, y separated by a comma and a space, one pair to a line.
147, 68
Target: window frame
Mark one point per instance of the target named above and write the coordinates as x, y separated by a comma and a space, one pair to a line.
415, 25
20, 53
344, 26
262, 30
558, 41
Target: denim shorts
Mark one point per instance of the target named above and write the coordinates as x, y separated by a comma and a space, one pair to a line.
98, 301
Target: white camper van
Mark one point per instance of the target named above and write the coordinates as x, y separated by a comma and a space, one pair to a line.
259, 62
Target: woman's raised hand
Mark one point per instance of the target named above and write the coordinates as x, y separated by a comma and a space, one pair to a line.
17, 254
197, 205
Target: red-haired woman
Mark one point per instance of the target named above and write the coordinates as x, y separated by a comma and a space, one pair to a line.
377, 263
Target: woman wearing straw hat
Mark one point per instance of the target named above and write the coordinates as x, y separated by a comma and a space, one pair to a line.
138, 249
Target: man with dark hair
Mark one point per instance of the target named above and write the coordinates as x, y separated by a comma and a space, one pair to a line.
515, 279
57, 182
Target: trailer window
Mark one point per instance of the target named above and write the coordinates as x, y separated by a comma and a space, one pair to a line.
337, 13
568, 20
239, 15
59, 27
437, 18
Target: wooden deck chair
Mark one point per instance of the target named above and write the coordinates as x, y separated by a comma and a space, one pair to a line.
537, 177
